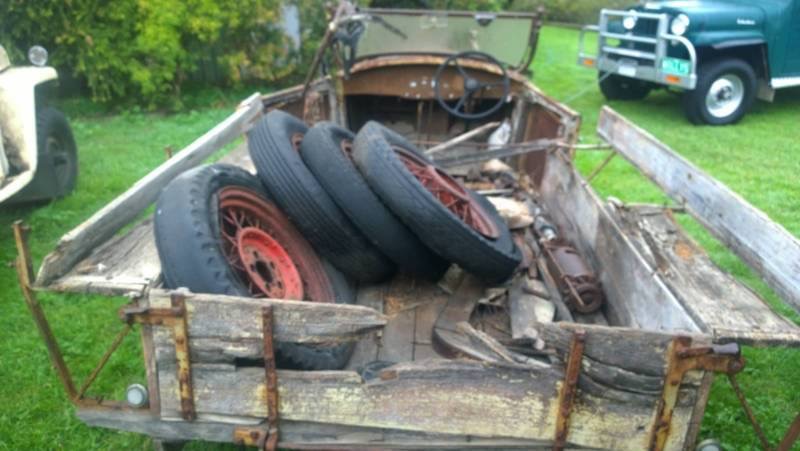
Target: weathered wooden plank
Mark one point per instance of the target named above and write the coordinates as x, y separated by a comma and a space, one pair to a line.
295, 434
366, 349
723, 306
127, 262
426, 316
101, 226
635, 297
397, 342
635, 350
222, 328
764, 245
451, 397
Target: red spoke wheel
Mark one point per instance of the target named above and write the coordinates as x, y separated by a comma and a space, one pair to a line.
450, 193
250, 229
217, 232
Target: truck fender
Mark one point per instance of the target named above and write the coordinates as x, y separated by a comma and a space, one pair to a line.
18, 121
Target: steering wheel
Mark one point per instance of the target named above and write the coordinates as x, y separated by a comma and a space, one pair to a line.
471, 86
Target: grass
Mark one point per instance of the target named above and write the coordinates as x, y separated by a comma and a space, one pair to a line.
759, 159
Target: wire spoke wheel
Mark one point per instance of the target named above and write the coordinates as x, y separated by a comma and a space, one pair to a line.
449, 193
260, 261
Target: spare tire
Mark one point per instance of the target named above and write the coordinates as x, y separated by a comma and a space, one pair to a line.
274, 145
327, 150
216, 232
458, 224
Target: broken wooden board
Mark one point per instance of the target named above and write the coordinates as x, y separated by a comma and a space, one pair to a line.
296, 434
128, 262
721, 305
224, 328
460, 397
635, 296
366, 349
764, 245
105, 223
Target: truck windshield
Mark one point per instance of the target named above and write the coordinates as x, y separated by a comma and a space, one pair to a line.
506, 36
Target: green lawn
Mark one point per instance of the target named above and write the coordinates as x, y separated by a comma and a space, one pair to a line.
759, 158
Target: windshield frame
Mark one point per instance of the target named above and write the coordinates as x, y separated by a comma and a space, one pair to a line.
528, 54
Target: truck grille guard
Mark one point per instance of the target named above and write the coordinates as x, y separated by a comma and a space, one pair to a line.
653, 69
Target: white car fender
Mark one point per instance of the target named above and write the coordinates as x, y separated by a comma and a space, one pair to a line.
18, 121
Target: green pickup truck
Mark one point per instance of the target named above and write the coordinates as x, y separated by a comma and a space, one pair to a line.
721, 53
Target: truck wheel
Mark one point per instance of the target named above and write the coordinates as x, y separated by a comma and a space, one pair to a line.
725, 90
617, 87
57, 148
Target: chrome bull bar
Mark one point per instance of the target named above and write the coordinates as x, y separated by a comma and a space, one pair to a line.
634, 63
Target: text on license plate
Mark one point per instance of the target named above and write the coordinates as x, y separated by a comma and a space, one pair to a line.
675, 66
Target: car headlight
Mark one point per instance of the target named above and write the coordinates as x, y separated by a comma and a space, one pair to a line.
629, 22
679, 25
37, 55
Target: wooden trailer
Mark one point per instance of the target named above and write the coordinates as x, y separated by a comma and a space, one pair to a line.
635, 375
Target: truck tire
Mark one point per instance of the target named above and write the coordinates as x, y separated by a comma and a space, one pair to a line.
327, 150
726, 89
191, 237
458, 224
58, 150
274, 147
617, 87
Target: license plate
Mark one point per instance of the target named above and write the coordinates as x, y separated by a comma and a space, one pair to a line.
627, 70
675, 66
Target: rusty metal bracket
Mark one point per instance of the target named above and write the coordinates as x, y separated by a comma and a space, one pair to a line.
24, 265
265, 436
682, 358
174, 317
566, 396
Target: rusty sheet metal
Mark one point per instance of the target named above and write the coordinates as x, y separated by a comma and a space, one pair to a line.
410, 77
577, 282
566, 395
681, 358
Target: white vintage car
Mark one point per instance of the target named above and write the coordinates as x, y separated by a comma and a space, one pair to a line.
38, 155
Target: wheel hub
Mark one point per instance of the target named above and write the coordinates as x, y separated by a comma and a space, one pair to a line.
725, 95
258, 259
450, 193
268, 265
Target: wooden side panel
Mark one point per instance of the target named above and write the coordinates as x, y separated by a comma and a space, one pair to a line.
225, 328
722, 305
765, 246
434, 396
635, 296
126, 207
